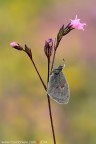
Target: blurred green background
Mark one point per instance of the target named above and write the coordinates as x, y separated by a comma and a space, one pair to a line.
23, 103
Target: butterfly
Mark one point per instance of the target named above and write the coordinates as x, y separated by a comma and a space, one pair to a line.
58, 88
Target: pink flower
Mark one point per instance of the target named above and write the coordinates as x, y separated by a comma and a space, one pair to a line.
16, 46
76, 24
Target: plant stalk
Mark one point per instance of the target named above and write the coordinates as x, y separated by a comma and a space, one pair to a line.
37, 72
53, 60
39, 75
49, 104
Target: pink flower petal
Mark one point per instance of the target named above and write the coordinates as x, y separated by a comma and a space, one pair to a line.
76, 24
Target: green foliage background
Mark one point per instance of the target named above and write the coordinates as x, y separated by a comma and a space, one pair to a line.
23, 102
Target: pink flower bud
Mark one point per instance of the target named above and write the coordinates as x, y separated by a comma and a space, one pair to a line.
16, 46
48, 48
76, 24
50, 42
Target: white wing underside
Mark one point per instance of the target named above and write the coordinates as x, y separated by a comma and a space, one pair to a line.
58, 88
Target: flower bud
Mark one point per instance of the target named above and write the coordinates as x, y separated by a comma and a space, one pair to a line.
48, 48
28, 51
16, 46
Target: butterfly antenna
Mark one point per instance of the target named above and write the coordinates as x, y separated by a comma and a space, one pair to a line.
63, 62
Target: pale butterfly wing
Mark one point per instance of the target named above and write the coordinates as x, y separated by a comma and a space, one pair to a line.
58, 88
